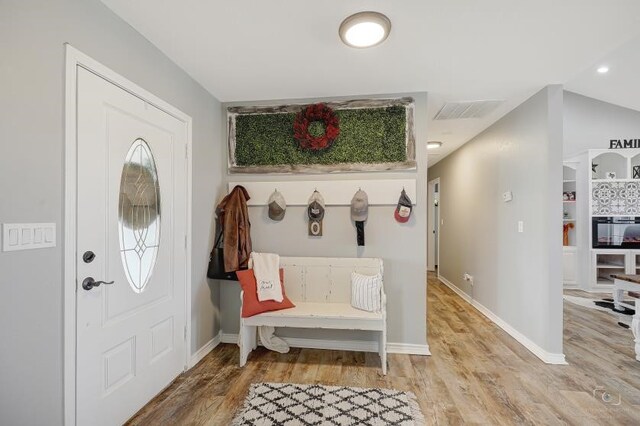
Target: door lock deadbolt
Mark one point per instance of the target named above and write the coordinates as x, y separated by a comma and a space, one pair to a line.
88, 256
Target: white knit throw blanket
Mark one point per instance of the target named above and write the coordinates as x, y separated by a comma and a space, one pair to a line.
266, 268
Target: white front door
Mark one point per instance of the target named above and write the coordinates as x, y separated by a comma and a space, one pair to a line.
131, 230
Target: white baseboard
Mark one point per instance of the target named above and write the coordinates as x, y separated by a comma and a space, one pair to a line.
229, 338
455, 289
205, 349
344, 345
547, 357
408, 349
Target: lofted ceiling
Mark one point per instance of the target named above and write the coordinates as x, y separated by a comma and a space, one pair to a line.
457, 50
621, 85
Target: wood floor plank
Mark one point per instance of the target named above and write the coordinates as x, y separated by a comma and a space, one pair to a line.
477, 373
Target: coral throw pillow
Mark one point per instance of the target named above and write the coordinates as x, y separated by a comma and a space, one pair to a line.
250, 304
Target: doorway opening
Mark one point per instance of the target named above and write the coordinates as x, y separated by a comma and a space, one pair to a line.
433, 225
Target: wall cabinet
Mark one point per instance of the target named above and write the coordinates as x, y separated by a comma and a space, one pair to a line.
570, 267
612, 187
609, 262
598, 183
569, 214
570, 225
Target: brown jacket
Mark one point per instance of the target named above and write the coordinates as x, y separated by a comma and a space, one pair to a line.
233, 217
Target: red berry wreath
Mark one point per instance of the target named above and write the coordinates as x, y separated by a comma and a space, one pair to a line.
316, 112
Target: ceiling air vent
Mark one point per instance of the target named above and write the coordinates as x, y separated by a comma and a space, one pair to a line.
467, 109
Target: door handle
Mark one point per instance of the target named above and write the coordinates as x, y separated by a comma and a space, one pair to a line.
89, 283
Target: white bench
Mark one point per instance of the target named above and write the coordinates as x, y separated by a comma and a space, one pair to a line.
320, 287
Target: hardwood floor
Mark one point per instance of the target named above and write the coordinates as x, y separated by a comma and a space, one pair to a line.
477, 374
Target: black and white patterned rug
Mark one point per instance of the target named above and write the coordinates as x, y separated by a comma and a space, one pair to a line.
288, 404
605, 305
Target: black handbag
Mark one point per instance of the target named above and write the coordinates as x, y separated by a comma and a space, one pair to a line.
216, 263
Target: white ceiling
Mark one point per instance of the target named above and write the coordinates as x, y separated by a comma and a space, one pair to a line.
457, 50
621, 85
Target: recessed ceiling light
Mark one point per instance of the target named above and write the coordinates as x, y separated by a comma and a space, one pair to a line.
365, 29
434, 144
603, 69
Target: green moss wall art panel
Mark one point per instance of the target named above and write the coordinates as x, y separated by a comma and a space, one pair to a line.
341, 136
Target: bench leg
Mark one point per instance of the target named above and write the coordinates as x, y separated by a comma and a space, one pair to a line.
248, 342
635, 328
618, 295
382, 350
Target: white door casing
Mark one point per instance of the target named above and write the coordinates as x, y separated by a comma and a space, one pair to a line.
127, 343
432, 225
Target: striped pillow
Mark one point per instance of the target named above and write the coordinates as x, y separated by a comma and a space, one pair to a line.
365, 292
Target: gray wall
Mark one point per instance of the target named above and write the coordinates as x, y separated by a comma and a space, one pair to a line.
403, 247
590, 123
516, 275
32, 34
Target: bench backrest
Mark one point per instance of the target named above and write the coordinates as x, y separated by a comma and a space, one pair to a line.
324, 279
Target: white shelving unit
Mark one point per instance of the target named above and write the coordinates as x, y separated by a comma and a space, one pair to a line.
570, 251
608, 262
608, 162
612, 166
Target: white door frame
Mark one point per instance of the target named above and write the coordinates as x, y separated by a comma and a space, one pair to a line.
430, 199
75, 59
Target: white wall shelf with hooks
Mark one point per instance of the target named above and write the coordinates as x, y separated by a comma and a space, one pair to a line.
335, 192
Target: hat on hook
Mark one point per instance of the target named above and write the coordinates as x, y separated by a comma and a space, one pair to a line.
403, 209
315, 211
277, 206
359, 206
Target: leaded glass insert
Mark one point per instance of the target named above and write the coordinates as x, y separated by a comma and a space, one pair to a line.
139, 215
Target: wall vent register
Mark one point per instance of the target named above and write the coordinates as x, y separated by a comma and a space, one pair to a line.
467, 109
139, 215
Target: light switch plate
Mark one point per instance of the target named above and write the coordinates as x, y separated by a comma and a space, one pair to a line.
27, 236
520, 226
507, 196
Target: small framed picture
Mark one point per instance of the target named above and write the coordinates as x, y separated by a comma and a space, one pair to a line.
611, 175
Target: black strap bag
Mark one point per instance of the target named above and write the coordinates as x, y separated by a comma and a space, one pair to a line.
216, 263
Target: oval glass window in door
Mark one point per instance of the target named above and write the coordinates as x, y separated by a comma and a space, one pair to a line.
139, 215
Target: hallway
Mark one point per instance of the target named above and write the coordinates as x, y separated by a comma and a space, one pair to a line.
477, 374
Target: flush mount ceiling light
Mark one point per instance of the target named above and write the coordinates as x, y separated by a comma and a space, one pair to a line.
434, 144
603, 69
365, 29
